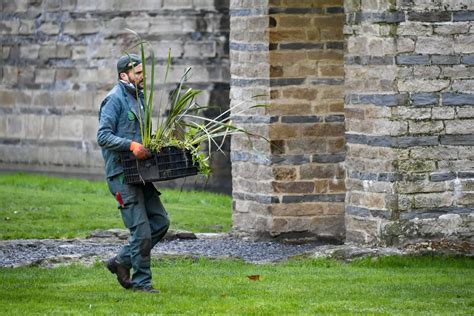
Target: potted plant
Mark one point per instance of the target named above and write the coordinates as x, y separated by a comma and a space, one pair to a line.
175, 142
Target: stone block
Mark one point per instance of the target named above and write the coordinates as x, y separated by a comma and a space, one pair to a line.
405, 45
177, 4
3, 127
90, 125
451, 28
465, 112
415, 29
412, 60
422, 85
299, 146
166, 25
466, 85
326, 129
200, 49
284, 36
44, 75
145, 5
411, 187
431, 16
362, 230
293, 21
29, 51
457, 99
5, 52
65, 73
298, 209
337, 186
250, 185
10, 75
27, 27
139, 24
464, 44
16, 126
50, 127
315, 171
82, 27
63, 50
286, 224
445, 59
434, 45
293, 187
204, 4
418, 99
442, 113
15, 6
433, 200
49, 28
283, 131
329, 226
33, 124
88, 75
284, 173
9, 27
66, 99
460, 126
22, 98
64, 5
94, 6
463, 15
425, 127
426, 72
458, 72
71, 127
411, 166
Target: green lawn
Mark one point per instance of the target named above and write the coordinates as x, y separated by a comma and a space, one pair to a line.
33, 206
392, 285
37, 207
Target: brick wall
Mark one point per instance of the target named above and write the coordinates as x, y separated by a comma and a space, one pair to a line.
58, 62
292, 51
410, 132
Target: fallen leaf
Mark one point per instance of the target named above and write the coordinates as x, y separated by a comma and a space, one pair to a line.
254, 277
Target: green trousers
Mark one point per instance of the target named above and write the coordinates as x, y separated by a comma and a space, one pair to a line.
146, 218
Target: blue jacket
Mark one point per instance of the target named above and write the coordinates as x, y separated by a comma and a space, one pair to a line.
118, 126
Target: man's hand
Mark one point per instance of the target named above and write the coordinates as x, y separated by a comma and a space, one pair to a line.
139, 151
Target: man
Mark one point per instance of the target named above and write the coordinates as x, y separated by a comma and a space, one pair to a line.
140, 205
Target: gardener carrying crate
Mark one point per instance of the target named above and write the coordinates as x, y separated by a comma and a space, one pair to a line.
140, 205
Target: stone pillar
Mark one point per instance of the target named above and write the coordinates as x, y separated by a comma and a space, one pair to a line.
292, 52
410, 132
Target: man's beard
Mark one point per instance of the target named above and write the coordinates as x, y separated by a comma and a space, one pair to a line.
138, 85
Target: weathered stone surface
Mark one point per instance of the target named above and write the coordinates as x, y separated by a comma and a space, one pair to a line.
59, 59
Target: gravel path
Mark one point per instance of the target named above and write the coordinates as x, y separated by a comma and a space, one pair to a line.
16, 253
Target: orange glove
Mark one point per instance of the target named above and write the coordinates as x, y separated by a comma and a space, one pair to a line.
139, 151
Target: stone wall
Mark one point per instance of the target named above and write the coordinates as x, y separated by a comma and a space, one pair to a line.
291, 51
409, 120
58, 62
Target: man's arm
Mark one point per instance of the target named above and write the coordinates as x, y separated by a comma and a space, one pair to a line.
108, 121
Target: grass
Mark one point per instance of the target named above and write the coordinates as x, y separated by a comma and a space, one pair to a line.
37, 206
392, 285
34, 206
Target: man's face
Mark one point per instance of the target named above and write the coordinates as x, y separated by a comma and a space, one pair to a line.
135, 76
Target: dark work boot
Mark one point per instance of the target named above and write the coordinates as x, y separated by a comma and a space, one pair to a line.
148, 289
123, 273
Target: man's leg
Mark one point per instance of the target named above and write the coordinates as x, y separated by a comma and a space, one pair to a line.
157, 215
136, 254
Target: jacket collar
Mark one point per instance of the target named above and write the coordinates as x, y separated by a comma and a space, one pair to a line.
130, 96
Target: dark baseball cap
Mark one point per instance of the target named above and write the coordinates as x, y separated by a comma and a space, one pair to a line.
127, 62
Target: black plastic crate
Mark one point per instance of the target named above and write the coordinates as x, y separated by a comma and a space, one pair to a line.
170, 163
